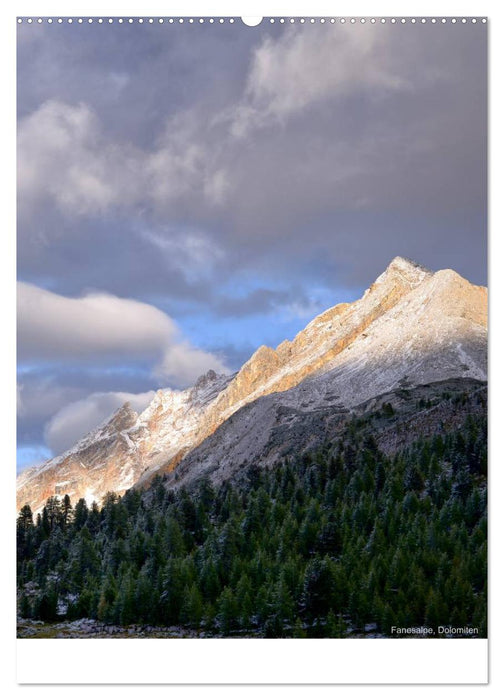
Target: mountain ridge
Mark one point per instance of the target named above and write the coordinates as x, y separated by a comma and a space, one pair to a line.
432, 324
282, 431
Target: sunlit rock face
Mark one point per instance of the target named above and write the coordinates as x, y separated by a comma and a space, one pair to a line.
410, 327
105, 460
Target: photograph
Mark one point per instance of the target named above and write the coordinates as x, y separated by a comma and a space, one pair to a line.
251, 328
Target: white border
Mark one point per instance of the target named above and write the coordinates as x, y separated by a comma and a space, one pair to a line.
268, 661
301, 661
228, 8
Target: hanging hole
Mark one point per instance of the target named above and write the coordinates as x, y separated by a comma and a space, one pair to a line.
252, 21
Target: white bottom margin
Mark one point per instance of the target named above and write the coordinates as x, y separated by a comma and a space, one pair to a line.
268, 661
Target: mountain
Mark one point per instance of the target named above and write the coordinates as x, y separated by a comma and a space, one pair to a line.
411, 328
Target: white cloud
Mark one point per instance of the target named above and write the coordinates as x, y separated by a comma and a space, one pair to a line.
40, 398
104, 328
51, 326
186, 163
190, 252
177, 164
289, 74
63, 156
76, 419
182, 364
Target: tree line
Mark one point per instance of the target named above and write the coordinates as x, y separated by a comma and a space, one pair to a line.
332, 544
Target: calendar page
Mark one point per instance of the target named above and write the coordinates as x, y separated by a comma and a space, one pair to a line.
252, 348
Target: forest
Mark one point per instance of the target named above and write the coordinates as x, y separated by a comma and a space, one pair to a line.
343, 542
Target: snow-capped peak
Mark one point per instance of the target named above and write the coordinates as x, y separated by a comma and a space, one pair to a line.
368, 346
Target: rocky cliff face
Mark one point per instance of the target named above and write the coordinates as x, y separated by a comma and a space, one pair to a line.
284, 425
105, 460
411, 327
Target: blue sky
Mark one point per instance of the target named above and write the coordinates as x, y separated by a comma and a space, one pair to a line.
187, 193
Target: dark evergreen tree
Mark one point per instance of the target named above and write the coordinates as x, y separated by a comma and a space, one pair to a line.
324, 544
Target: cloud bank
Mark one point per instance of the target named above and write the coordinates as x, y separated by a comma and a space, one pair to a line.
101, 328
193, 155
290, 74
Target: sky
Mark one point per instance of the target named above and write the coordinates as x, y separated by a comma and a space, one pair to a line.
189, 192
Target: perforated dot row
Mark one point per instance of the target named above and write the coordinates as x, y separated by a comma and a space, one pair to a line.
122, 20
231, 20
